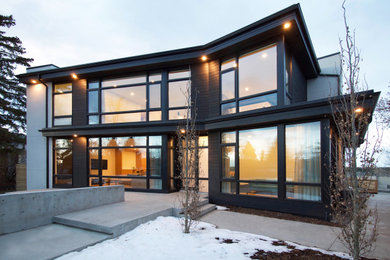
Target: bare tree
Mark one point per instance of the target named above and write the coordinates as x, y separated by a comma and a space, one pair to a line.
356, 154
188, 162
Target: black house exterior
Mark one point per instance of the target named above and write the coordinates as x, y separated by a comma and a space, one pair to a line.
263, 116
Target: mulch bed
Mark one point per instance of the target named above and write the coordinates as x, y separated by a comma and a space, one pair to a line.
293, 254
286, 216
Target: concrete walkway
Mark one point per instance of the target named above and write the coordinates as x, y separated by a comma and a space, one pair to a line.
320, 236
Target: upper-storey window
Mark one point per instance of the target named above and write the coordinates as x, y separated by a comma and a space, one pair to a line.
62, 98
178, 85
122, 100
249, 81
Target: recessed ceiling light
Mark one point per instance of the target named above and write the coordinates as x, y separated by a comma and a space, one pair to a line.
74, 75
204, 58
287, 25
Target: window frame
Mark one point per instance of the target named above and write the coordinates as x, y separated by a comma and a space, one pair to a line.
236, 100
54, 117
281, 181
54, 149
148, 175
147, 109
184, 79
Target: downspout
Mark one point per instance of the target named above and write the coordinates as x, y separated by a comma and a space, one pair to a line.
46, 126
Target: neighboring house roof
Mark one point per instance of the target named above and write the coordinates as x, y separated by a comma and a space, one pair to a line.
266, 28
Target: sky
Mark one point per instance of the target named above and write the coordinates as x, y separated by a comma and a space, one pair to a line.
71, 32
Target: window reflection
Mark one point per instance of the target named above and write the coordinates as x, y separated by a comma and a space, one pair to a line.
63, 162
257, 71
227, 85
123, 81
303, 146
228, 162
258, 154
303, 160
177, 93
258, 102
63, 104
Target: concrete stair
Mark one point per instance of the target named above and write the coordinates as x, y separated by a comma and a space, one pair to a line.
205, 207
115, 219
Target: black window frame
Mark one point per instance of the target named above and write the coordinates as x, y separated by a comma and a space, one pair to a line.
147, 109
55, 148
147, 177
236, 100
281, 181
188, 79
54, 117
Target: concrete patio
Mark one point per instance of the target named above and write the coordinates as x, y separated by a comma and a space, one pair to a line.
94, 225
79, 229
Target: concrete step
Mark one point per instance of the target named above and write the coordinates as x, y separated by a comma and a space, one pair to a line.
206, 209
203, 210
114, 219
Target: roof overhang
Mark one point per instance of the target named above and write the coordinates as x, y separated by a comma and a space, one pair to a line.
255, 33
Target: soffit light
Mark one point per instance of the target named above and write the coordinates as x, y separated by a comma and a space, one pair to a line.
75, 135
287, 25
358, 110
74, 75
183, 131
204, 58
33, 81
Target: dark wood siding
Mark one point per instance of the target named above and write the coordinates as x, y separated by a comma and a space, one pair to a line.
80, 167
214, 164
298, 83
213, 88
200, 88
79, 102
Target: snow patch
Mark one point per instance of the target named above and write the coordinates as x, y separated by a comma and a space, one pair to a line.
163, 238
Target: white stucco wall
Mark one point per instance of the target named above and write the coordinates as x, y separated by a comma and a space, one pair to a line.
36, 143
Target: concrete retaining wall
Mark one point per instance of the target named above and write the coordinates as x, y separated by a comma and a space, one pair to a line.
24, 210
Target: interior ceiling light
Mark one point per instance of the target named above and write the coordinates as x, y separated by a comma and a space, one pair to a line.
287, 25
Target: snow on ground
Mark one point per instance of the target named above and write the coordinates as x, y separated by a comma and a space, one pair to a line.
221, 208
163, 239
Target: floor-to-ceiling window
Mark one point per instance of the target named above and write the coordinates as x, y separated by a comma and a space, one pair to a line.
303, 161
63, 163
250, 158
178, 84
133, 161
255, 152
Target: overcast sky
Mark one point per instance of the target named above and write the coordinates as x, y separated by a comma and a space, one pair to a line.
70, 32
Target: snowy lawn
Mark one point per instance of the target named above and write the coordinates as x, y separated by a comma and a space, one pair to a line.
163, 239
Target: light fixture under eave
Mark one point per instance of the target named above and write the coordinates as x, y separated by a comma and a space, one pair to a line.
74, 76
75, 135
358, 110
287, 25
33, 81
183, 131
204, 58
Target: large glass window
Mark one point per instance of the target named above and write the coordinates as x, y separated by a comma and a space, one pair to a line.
63, 163
62, 107
257, 172
249, 81
303, 161
133, 161
123, 100
178, 85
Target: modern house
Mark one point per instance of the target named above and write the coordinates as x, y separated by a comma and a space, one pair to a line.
263, 116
